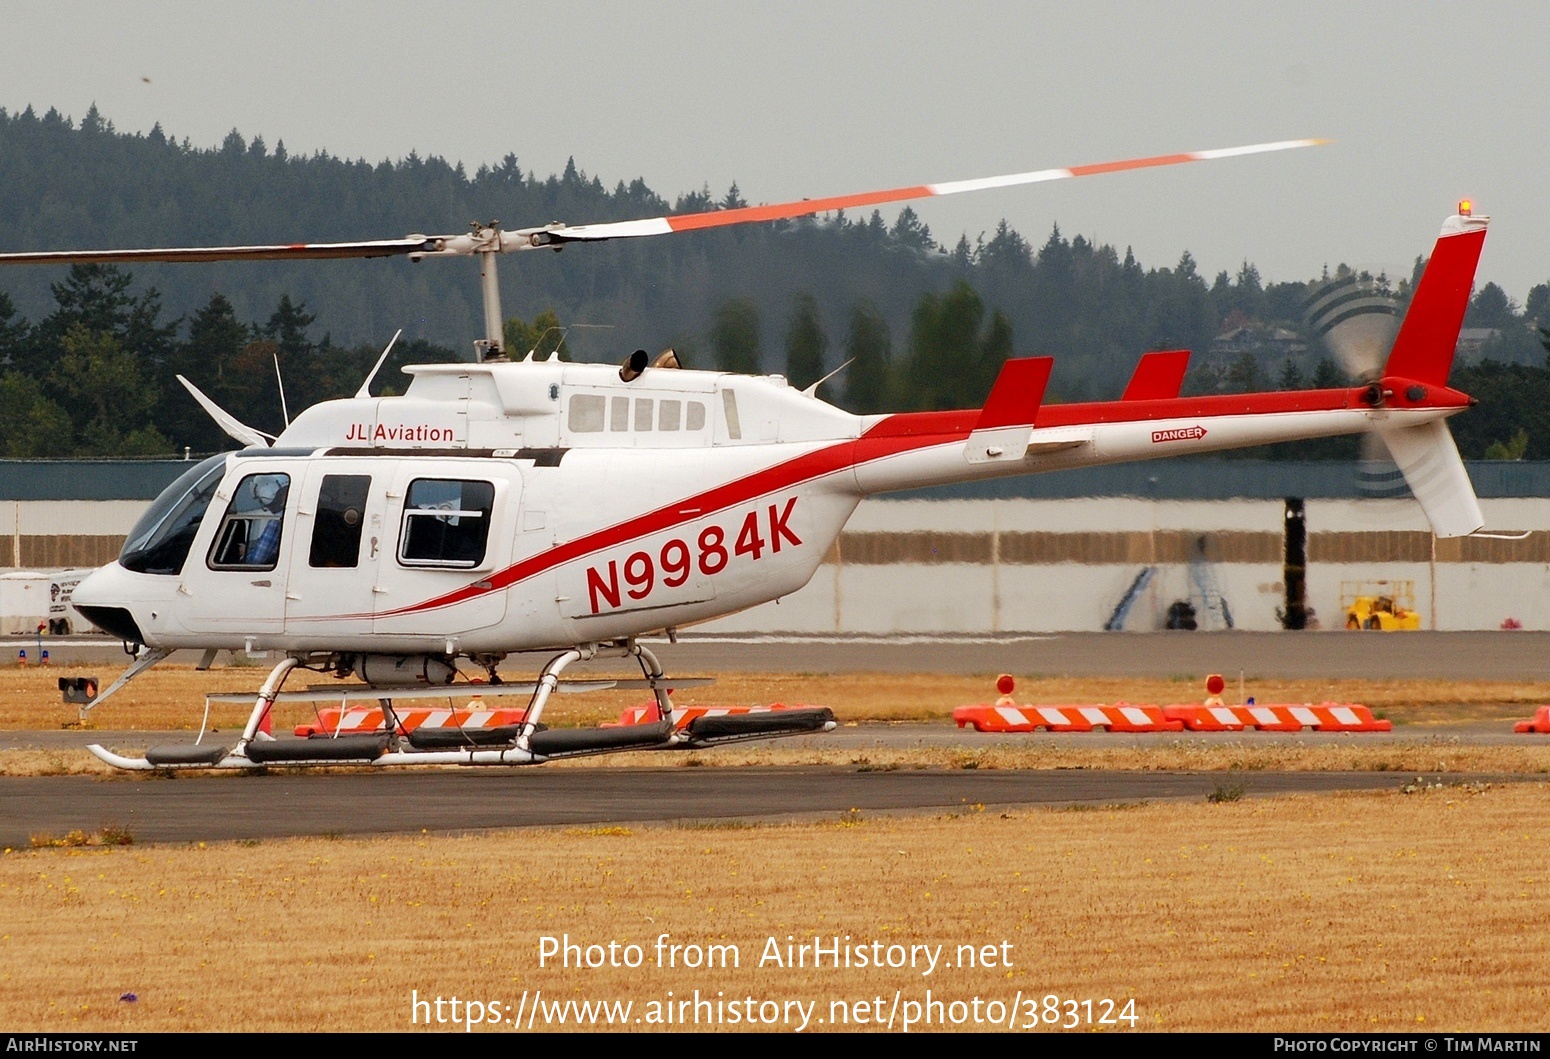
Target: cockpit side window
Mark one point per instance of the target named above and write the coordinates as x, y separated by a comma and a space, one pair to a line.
160, 541
249, 535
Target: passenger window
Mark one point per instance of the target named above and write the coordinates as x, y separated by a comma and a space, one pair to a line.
586, 413
446, 522
336, 530
643, 413
249, 536
696, 417
619, 414
668, 418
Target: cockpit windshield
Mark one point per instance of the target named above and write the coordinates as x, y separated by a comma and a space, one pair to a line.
160, 541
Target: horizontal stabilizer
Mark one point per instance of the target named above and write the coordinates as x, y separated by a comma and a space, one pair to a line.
1006, 422
1424, 348
1159, 376
1435, 474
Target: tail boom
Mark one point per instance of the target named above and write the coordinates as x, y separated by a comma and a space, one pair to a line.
943, 447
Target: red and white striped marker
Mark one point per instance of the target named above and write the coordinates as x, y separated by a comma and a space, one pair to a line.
363, 720
1120, 717
682, 715
1278, 717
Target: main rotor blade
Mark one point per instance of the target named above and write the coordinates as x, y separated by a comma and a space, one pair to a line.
490, 239
684, 222
414, 244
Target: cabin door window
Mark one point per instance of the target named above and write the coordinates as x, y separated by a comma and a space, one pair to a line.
446, 522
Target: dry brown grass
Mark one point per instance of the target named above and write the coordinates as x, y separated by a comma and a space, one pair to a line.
1378, 912
1175, 754
173, 696
1245, 753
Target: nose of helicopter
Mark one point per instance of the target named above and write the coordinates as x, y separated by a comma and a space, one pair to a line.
108, 599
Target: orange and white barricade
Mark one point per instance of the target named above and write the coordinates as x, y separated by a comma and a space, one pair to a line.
646, 713
363, 720
1120, 717
1540, 722
1278, 717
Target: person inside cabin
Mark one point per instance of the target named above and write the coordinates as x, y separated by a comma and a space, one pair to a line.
269, 490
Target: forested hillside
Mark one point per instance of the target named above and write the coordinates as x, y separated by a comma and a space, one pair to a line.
87, 355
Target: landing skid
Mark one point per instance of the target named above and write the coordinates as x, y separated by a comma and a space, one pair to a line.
528, 742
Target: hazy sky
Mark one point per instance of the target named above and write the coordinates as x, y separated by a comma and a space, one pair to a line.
1426, 103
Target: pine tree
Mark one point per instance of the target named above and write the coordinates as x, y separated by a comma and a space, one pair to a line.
735, 336
806, 342
869, 349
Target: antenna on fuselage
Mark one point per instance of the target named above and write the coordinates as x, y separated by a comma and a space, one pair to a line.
365, 390
284, 411
554, 354
812, 391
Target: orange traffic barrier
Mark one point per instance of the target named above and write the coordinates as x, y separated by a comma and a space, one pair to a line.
1120, 717
1277, 717
362, 720
682, 715
1539, 723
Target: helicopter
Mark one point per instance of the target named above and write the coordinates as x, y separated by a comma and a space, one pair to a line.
522, 505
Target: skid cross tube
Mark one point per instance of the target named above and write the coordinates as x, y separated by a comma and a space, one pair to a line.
265, 702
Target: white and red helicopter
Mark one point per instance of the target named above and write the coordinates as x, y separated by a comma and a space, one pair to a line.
507, 506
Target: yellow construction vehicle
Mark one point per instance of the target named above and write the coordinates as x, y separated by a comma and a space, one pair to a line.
1380, 605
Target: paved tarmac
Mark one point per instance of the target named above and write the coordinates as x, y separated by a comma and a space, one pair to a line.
207, 809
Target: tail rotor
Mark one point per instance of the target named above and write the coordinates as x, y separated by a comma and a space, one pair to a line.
1356, 317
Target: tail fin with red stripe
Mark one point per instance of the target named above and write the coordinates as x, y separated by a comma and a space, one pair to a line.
1424, 349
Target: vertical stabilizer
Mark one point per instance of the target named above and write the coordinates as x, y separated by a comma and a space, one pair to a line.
1158, 377
1435, 473
1005, 424
1424, 349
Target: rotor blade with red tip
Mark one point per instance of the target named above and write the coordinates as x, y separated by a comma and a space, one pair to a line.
687, 222
491, 239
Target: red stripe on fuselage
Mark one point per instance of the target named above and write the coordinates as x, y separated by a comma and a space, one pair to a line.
899, 433
805, 468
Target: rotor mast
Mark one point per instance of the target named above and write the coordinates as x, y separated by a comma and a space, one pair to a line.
487, 244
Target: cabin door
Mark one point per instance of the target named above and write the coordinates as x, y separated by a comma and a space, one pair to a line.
236, 581
340, 537
449, 531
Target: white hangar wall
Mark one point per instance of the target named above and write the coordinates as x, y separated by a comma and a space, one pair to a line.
981, 566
